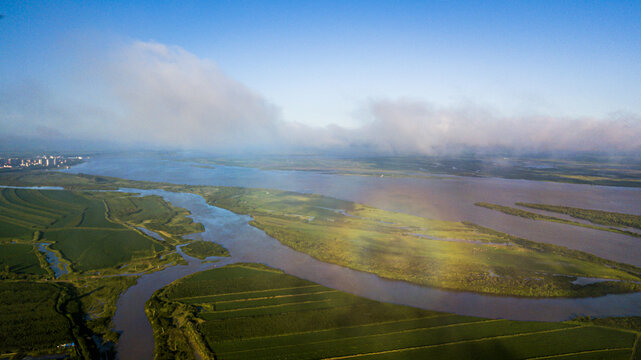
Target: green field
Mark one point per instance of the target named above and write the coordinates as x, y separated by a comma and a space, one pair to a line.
90, 230
33, 318
20, 259
616, 218
443, 254
155, 214
203, 249
91, 249
249, 311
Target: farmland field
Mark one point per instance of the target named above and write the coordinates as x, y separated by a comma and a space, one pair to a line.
90, 230
249, 311
90, 249
33, 317
153, 213
20, 259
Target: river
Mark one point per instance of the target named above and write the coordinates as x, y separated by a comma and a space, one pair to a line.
448, 198
248, 244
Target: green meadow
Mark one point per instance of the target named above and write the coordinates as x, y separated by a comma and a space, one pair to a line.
94, 234
20, 259
37, 317
203, 249
250, 311
155, 214
88, 230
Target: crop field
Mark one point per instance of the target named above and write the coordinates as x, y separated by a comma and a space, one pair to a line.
20, 259
153, 213
249, 311
90, 249
90, 230
443, 254
31, 318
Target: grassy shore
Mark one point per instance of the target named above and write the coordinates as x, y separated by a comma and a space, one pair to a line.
249, 311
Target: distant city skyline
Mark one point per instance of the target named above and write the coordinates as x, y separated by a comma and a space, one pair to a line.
393, 77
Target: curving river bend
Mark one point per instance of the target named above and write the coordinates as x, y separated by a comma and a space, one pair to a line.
248, 244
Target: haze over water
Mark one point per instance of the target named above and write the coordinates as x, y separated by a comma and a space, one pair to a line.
449, 198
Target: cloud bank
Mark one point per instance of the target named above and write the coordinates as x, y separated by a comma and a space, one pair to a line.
158, 96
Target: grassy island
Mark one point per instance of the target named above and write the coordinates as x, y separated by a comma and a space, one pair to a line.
616, 218
444, 254
203, 249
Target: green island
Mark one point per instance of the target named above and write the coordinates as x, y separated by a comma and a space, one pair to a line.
595, 216
203, 249
617, 218
250, 311
101, 251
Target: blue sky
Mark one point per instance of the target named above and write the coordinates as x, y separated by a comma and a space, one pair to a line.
325, 62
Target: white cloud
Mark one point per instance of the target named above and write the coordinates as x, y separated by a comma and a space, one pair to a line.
170, 97
165, 97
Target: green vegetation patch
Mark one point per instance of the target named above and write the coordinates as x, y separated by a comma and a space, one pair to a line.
10, 230
31, 318
203, 249
595, 216
535, 216
93, 230
153, 213
244, 312
91, 249
98, 298
20, 259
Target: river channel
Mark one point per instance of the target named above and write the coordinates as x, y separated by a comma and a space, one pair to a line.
248, 244
447, 198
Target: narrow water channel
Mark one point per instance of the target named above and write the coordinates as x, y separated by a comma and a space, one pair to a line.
58, 267
248, 244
